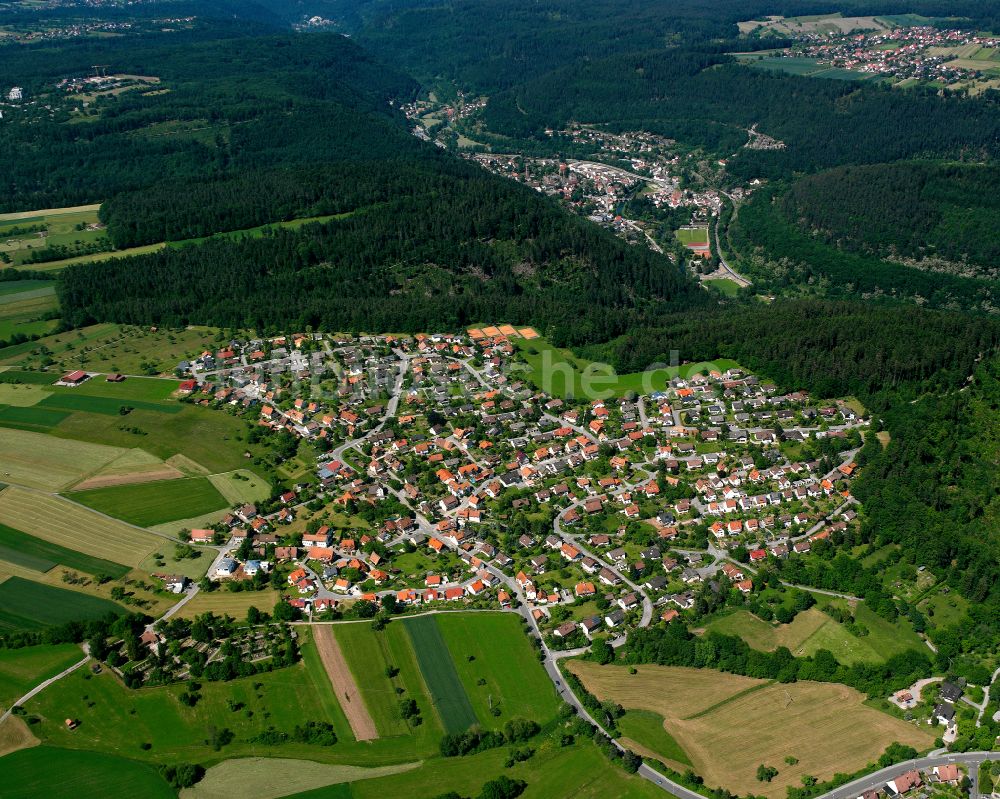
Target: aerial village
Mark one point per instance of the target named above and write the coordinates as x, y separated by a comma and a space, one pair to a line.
597, 515
907, 55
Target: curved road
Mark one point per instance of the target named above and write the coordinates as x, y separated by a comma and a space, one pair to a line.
43, 685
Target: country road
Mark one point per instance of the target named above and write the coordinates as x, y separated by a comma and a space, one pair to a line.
43, 685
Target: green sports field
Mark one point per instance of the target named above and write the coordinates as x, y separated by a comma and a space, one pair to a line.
436, 665
39, 555
25, 605
689, 236
504, 661
147, 504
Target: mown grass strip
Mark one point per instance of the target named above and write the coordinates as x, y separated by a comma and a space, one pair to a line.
728, 699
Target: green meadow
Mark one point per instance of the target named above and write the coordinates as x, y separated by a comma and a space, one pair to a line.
498, 668
22, 669
50, 771
148, 504
26, 605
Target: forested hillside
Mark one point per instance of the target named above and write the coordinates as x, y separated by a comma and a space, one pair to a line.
782, 256
490, 45
917, 210
935, 490
701, 98
886, 354
464, 248
227, 102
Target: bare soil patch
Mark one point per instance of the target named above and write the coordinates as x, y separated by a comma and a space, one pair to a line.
344, 686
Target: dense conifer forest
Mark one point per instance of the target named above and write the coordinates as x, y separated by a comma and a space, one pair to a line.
914, 210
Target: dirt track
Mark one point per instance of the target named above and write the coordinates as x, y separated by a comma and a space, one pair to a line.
131, 478
343, 683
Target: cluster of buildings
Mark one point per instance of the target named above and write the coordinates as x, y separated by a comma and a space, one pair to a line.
479, 487
918, 53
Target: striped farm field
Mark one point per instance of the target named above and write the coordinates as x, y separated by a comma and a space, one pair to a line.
39, 461
146, 504
74, 527
40, 555
26, 605
504, 662
132, 466
345, 684
447, 692
714, 718
368, 653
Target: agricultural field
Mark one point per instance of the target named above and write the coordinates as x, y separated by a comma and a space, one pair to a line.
146, 504
562, 373
50, 464
209, 439
492, 648
23, 669
324, 693
272, 778
220, 601
140, 593
707, 713
15, 735
52, 234
645, 733
72, 526
132, 466
25, 605
438, 669
580, 771
115, 719
241, 486
810, 631
21, 396
97, 395
27, 307
821, 23
49, 771
367, 655
42, 556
